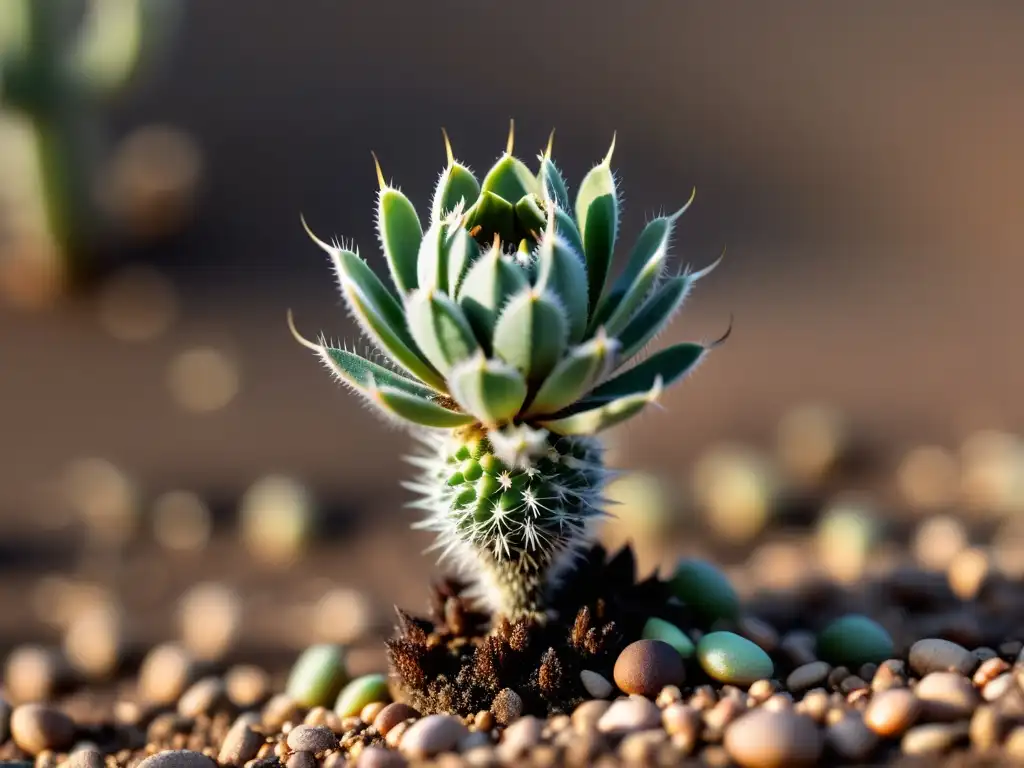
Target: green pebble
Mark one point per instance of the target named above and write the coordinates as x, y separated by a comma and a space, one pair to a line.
705, 589
318, 676
659, 629
360, 692
729, 658
854, 640
471, 470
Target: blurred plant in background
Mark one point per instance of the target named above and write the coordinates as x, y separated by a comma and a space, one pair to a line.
69, 195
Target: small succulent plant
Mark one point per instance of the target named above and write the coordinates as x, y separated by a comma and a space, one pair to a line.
503, 341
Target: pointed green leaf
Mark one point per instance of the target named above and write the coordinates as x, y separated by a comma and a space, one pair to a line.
510, 179
575, 375
462, 253
418, 410
552, 183
597, 212
491, 215
561, 271
363, 374
432, 259
400, 234
654, 315
488, 286
491, 390
669, 364
440, 329
457, 184
606, 414
566, 227
532, 333
529, 215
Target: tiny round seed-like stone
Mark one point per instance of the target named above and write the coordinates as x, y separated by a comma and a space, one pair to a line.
730, 658
378, 757
314, 739
507, 706
937, 655
892, 712
432, 735
241, 744
997, 688
586, 716
246, 685
301, 760
808, 676
280, 709
178, 758
519, 738
369, 713
164, 674
85, 758
658, 629
392, 715
646, 666
202, 697
850, 738
35, 728
764, 739
360, 692
632, 714
989, 671
679, 718
934, 738
705, 589
318, 676
854, 640
946, 695
596, 685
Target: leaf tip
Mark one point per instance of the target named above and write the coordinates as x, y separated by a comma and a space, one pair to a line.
687, 204
611, 150
448, 148
510, 143
380, 173
298, 336
551, 142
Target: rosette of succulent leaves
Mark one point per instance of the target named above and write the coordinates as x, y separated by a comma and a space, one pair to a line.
504, 342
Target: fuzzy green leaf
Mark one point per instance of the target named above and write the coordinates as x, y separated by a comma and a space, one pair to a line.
364, 375
597, 212
418, 410
532, 333
529, 215
566, 227
440, 329
491, 390
654, 315
510, 179
491, 215
400, 234
462, 253
561, 271
432, 259
669, 364
489, 284
575, 375
552, 183
589, 421
457, 184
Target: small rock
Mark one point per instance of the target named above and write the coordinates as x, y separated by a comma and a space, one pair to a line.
587, 715
1014, 744
646, 666
680, 719
392, 715
85, 758
301, 760
850, 738
33, 674
705, 589
641, 747
946, 695
247, 685
808, 676
891, 712
854, 640
241, 743
369, 713
507, 706
730, 658
595, 684
202, 697
658, 629
432, 735
632, 714
360, 692
998, 687
378, 757
934, 738
937, 655
280, 709
986, 728
318, 676
164, 674
177, 758
315, 739
519, 738
35, 727
763, 739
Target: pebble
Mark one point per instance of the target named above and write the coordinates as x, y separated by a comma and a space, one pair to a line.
177, 758
85, 758
641, 748
934, 738
33, 673
318, 676
705, 589
202, 697
378, 757
5, 720
316, 739
946, 695
507, 706
519, 738
587, 715
808, 676
854, 640
280, 709
937, 655
658, 629
850, 738
392, 715
891, 712
36, 727
985, 728
165, 672
680, 719
763, 739
432, 735
730, 658
241, 743
631, 714
247, 685
646, 666
998, 687
360, 692
369, 713
301, 760
596, 685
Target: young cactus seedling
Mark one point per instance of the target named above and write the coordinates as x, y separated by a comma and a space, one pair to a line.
508, 349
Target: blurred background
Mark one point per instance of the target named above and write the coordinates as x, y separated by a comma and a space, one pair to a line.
162, 432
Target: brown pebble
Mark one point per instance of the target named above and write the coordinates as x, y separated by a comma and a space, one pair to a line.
596, 685
798, 646
986, 728
668, 695
720, 715
641, 747
1014, 744
761, 633
934, 738
761, 690
202, 697
241, 743
679, 718
946, 696
586, 716
780, 702
519, 738
763, 739
850, 738
378, 757
483, 720
247, 685
937, 655
165, 673
36, 727
85, 758
814, 704
646, 666
369, 713
997, 688
989, 671
46, 759
507, 706
432, 735
279, 710
316, 739
394, 737
301, 760
177, 758
392, 715
808, 676
632, 714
